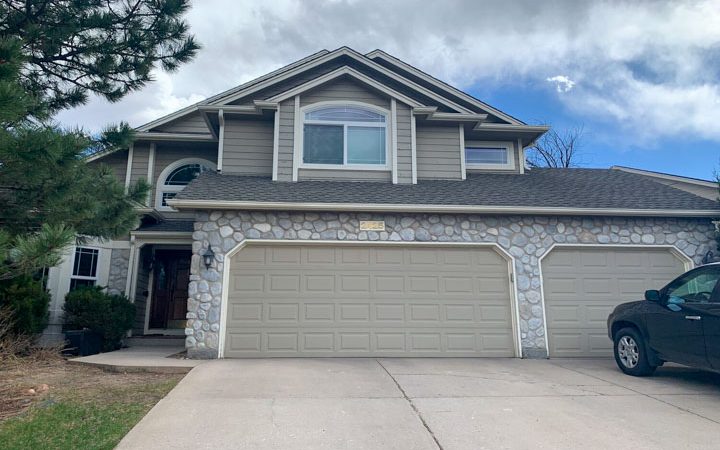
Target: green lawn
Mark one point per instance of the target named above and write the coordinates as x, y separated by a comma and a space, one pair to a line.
93, 417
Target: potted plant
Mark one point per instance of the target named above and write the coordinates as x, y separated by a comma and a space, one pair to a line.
95, 320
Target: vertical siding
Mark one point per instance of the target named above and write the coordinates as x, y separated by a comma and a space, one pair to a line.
404, 144
343, 89
286, 135
192, 123
248, 147
438, 152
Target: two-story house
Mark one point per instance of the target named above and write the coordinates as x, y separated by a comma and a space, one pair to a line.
353, 205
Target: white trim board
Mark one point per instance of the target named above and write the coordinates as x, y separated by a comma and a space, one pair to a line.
442, 85
276, 144
666, 176
299, 140
177, 114
297, 133
413, 147
513, 291
221, 140
394, 207
343, 71
128, 169
689, 264
174, 137
394, 140
463, 163
345, 51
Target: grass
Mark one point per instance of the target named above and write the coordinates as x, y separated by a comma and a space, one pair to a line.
83, 408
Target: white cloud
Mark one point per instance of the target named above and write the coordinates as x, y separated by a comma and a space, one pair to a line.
562, 83
650, 67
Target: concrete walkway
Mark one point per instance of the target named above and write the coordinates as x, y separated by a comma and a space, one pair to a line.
159, 359
430, 404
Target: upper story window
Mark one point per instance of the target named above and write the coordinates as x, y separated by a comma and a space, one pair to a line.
489, 155
345, 136
176, 176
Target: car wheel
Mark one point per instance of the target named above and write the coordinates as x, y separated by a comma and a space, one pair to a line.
630, 353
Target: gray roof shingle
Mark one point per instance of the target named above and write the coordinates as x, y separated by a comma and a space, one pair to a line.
561, 188
169, 226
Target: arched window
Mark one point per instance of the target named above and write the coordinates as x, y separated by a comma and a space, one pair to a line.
345, 135
176, 176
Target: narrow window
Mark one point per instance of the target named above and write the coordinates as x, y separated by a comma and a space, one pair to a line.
84, 267
489, 155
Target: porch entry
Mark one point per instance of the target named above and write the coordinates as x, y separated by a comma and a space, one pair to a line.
171, 275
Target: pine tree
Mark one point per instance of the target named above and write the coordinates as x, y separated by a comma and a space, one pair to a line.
53, 55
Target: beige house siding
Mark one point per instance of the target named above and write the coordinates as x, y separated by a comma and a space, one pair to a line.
344, 175
248, 147
438, 152
285, 140
166, 154
140, 161
343, 89
116, 161
404, 144
192, 123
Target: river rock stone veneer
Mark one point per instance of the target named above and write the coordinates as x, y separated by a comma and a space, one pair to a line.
526, 238
119, 262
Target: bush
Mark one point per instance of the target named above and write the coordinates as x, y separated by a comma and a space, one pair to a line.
111, 316
28, 301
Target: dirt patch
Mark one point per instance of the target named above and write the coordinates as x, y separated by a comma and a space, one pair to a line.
31, 381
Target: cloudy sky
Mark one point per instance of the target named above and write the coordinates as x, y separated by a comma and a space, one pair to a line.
643, 78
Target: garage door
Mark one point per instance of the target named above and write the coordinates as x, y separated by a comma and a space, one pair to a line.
310, 300
582, 286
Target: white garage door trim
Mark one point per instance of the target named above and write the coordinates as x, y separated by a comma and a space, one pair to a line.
689, 264
499, 250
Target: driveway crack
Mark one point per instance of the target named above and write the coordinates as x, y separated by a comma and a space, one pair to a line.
412, 405
652, 396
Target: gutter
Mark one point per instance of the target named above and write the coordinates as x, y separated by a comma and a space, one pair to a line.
162, 234
468, 209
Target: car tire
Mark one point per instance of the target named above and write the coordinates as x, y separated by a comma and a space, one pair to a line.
631, 354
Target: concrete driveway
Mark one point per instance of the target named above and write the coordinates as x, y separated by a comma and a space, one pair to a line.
431, 404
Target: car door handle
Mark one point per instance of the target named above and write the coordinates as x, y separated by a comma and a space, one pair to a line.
693, 317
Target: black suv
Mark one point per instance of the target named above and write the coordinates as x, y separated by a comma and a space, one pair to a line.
679, 323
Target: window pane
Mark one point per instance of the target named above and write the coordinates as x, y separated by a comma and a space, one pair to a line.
696, 287
486, 155
85, 264
75, 283
323, 144
366, 145
167, 196
182, 176
345, 114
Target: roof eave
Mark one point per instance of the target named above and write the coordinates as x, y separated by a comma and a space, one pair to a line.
469, 209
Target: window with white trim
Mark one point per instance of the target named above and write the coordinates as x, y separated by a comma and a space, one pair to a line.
85, 264
489, 155
176, 176
345, 135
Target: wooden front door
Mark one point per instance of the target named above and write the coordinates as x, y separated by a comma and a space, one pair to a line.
171, 273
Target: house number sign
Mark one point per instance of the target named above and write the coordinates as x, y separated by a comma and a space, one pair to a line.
372, 225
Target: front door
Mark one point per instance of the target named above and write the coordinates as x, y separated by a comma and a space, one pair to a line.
171, 275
